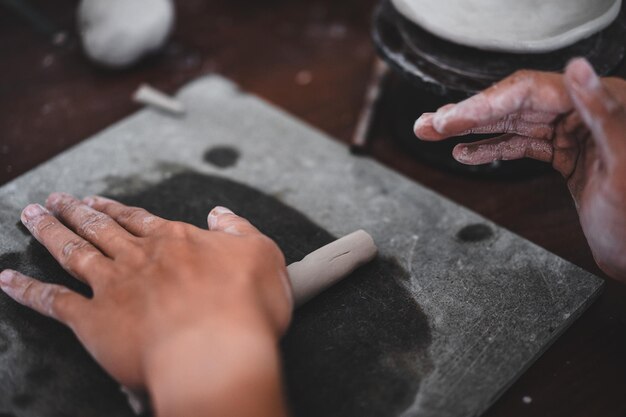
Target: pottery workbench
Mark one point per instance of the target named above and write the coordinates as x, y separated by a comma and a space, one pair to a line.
312, 59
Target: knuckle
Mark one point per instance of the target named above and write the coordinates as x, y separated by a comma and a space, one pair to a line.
56, 303
522, 80
75, 253
81, 264
522, 75
141, 258
137, 214
138, 217
92, 223
66, 208
27, 293
510, 124
262, 244
135, 251
101, 203
615, 109
71, 246
129, 215
543, 132
45, 225
149, 221
178, 229
129, 244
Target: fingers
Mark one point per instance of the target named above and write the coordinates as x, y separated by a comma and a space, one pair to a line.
602, 113
223, 220
523, 91
94, 226
74, 254
51, 300
136, 220
530, 124
506, 147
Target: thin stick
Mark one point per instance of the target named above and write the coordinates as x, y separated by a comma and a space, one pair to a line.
372, 95
149, 95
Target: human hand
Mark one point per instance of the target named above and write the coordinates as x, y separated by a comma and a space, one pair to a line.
575, 121
172, 304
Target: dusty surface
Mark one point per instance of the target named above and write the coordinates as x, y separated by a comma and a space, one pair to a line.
445, 321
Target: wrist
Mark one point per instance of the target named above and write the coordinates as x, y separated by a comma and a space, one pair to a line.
208, 369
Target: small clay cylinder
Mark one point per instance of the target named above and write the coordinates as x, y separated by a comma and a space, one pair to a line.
329, 264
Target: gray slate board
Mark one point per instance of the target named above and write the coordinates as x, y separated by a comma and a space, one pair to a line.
451, 314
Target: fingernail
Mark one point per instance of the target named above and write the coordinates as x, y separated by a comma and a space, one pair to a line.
215, 213
32, 211
583, 75
461, 153
6, 277
90, 201
422, 121
221, 210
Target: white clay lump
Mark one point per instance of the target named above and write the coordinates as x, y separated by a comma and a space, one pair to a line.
520, 26
118, 33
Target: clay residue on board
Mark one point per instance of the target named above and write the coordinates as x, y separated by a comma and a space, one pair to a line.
359, 349
47, 369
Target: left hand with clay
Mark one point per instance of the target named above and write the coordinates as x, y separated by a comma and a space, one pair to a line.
192, 315
575, 121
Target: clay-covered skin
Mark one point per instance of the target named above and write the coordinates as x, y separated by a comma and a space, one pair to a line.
160, 305
358, 349
575, 121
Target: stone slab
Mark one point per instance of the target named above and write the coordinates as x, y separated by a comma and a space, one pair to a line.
453, 311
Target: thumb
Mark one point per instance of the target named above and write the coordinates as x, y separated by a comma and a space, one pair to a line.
221, 219
602, 113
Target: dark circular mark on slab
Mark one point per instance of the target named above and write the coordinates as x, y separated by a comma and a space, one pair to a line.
221, 156
475, 233
22, 400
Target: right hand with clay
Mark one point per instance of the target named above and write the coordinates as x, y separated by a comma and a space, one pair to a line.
193, 316
575, 121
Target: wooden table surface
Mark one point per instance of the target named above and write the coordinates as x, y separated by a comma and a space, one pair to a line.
312, 58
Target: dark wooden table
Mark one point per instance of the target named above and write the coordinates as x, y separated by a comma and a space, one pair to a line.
312, 58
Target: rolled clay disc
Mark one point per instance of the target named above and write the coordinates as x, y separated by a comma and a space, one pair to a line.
521, 26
